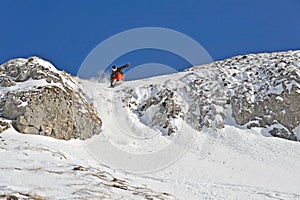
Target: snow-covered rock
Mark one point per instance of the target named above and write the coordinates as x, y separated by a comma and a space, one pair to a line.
260, 89
39, 99
265, 91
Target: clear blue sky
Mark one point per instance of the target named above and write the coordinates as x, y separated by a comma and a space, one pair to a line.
65, 31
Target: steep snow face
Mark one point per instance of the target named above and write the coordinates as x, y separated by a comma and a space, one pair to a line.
262, 91
217, 157
39, 99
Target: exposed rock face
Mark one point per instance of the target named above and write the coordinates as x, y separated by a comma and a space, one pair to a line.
166, 108
45, 101
4, 125
259, 90
21, 70
270, 93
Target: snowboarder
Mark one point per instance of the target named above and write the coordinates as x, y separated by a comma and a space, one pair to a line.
117, 74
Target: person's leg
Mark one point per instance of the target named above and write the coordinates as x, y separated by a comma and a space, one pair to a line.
113, 83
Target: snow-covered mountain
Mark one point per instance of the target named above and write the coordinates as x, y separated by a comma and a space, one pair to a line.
220, 117
261, 90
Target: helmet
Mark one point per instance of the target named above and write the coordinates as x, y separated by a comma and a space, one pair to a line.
114, 68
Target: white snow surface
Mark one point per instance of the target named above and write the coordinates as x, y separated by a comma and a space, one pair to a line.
235, 163
243, 164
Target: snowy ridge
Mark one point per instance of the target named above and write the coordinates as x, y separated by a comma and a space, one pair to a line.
261, 89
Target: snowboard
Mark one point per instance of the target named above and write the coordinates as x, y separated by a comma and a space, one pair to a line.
116, 84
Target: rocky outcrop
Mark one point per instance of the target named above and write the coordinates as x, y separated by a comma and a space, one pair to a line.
271, 95
21, 70
159, 110
255, 90
45, 101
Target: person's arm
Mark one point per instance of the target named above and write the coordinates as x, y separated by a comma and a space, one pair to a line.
124, 66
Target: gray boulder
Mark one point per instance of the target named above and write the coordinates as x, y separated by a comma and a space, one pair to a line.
58, 110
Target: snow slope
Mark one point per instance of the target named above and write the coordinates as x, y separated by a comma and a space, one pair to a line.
45, 168
239, 163
243, 165
131, 160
